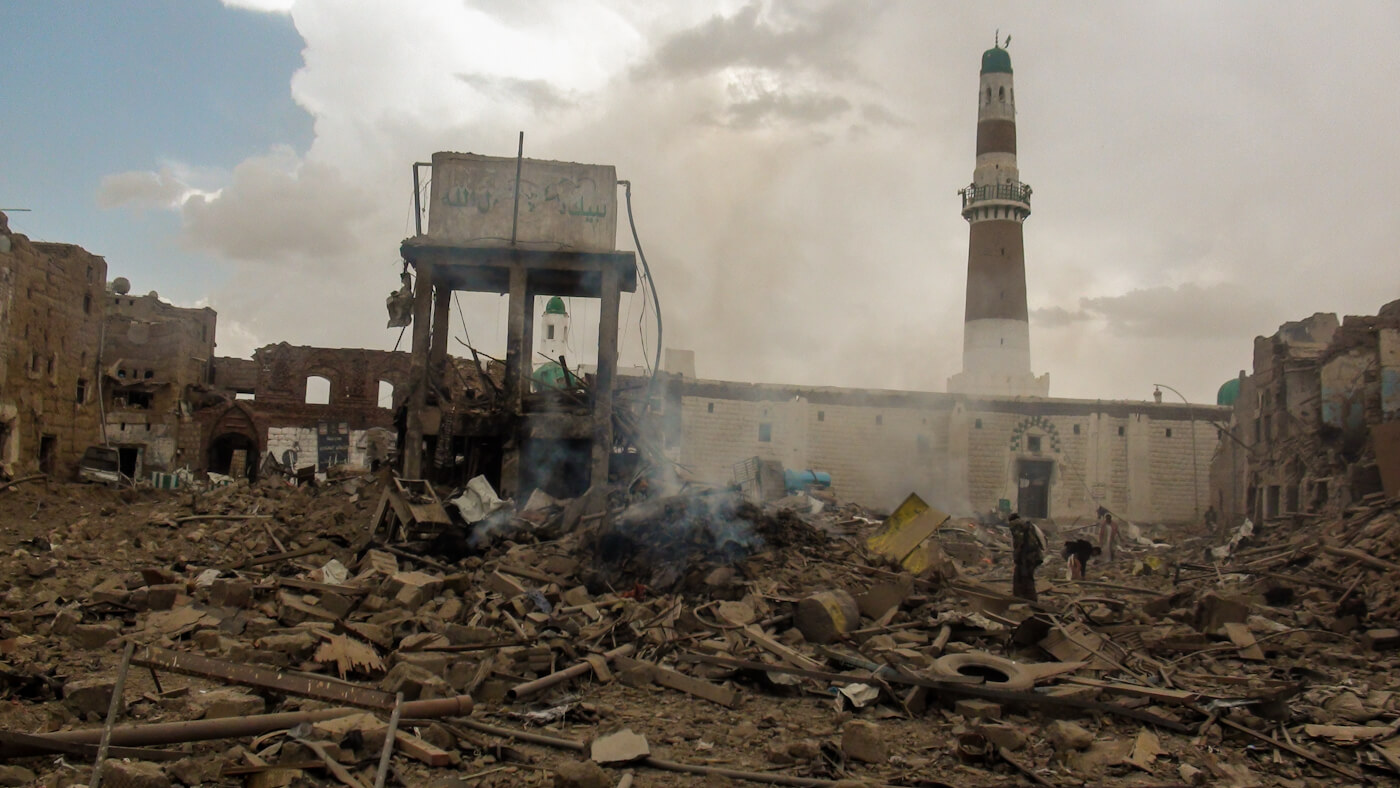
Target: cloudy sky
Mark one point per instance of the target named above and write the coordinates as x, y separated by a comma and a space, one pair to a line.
1203, 171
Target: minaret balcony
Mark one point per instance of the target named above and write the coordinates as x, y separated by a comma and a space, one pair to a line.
1013, 193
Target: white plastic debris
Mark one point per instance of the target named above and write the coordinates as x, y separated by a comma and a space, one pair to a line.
478, 502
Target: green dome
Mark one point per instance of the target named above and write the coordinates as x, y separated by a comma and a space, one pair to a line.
996, 61
1228, 393
555, 307
549, 376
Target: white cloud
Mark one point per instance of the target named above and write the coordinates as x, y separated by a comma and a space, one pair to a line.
794, 168
265, 6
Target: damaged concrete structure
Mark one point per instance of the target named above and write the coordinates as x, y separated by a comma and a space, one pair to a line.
50, 322
523, 228
1313, 426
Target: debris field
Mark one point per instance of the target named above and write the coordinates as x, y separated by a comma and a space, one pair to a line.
324, 634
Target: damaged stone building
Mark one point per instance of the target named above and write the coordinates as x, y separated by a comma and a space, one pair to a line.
310, 406
1313, 426
85, 363
154, 354
50, 327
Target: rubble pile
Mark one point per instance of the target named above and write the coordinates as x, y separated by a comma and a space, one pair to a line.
275, 635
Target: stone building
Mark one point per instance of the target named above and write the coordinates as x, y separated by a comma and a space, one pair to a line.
310, 406
50, 321
1050, 458
156, 357
1313, 426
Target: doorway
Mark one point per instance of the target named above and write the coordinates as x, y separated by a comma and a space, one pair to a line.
128, 457
221, 451
1033, 487
48, 453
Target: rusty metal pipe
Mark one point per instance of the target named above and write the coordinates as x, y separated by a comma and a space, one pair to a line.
230, 727
558, 677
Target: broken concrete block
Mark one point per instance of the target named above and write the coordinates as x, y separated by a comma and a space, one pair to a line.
622, 746
977, 709
1066, 736
370, 729
16, 776
64, 621
1002, 735
581, 774
297, 643
1381, 639
230, 703
505, 585
414, 682
164, 596
1214, 611
435, 662
133, 774
863, 741
231, 592
85, 696
93, 636
412, 589
156, 576
881, 597
196, 771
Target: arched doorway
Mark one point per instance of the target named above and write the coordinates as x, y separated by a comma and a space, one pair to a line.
233, 431
221, 453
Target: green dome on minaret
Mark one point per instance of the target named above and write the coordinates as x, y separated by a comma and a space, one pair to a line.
996, 61
555, 307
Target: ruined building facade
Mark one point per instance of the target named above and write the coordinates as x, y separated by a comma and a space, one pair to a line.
1315, 425
154, 356
50, 327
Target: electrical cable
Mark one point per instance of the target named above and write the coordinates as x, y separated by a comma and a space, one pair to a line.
656, 301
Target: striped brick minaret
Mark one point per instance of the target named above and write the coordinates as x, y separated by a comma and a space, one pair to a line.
996, 333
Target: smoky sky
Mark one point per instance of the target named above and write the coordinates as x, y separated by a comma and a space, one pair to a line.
1203, 172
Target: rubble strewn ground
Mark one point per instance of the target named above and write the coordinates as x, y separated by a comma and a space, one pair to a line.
682, 620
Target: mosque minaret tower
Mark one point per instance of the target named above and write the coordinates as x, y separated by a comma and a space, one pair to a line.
996, 331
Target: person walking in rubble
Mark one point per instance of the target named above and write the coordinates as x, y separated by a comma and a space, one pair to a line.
1108, 533
1027, 554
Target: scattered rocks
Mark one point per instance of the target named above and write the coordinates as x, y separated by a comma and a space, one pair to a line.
581, 774
862, 741
1066, 736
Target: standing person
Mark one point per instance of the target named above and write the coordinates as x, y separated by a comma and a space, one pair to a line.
1027, 554
1108, 534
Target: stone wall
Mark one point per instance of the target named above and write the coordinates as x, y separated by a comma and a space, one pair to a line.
961, 454
50, 320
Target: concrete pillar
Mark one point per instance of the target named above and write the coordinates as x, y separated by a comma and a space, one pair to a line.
603, 382
516, 351
418, 372
442, 314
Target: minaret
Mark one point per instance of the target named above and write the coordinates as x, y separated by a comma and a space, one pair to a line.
996, 333
554, 342
554, 329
